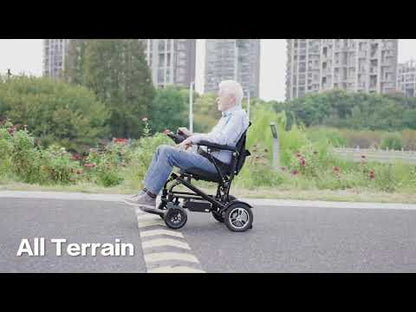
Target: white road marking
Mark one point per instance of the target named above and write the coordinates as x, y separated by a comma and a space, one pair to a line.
165, 242
153, 239
178, 269
164, 256
150, 222
149, 216
160, 232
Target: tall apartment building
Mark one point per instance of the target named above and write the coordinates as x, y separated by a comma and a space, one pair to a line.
54, 52
235, 59
359, 65
172, 61
406, 78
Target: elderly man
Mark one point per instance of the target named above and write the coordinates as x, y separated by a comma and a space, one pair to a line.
228, 130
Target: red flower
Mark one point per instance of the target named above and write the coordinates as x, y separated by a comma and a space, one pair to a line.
294, 172
298, 154
302, 162
283, 168
90, 165
372, 174
122, 141
76, 156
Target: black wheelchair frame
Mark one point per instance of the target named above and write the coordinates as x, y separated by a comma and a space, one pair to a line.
224, 207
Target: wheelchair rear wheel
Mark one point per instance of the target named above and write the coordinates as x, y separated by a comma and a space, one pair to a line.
238, 217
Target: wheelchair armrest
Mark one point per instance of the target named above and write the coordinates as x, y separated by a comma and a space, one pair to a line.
216, 146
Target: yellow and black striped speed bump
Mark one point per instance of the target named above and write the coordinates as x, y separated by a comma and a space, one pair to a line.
165, 250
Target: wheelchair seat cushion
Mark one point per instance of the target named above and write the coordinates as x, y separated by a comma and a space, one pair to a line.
202, 174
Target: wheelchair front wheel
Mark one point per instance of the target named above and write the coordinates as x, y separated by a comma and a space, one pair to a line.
238, 217
175, 217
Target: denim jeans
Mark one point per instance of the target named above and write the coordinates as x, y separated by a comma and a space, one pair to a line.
165, 158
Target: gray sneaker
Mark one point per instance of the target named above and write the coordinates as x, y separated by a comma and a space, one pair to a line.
132, 198
144, 202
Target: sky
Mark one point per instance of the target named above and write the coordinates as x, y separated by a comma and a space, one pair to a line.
25, 56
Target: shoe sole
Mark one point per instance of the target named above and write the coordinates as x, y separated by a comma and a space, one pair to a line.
153, 210
130, 203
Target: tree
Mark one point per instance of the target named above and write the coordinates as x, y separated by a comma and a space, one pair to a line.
169, 109
74, 61
117, 71
342, 109
205, 112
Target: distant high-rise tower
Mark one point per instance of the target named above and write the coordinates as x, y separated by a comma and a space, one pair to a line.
359, 65
174, 62
232, 59
54, 52
171, 61
406, 78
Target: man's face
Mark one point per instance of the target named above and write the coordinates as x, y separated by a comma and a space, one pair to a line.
225, 100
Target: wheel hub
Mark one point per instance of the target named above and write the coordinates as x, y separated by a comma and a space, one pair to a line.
239, 217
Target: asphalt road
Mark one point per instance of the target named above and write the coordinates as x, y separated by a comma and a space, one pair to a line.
283, 239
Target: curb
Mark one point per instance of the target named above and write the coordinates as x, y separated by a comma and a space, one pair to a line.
252, 201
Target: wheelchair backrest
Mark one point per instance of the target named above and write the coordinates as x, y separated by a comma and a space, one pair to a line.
239, 161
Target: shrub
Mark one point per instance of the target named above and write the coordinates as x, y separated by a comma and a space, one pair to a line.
384, 179
330, 135
392, 141
26, 159
54, 111
108, 174
141, 157
409, 139
6, 148
58, 166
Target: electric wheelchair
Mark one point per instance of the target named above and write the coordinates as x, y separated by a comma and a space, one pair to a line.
225, 208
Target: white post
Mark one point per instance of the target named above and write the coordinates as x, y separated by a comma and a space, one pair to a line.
191, 117
275, 144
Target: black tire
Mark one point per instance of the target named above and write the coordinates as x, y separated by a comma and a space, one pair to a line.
220, 217
217, 216
175, 217
238, 217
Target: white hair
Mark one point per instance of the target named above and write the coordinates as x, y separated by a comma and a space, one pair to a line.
234, 88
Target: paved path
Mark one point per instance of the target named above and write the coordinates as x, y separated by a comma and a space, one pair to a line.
288, 236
